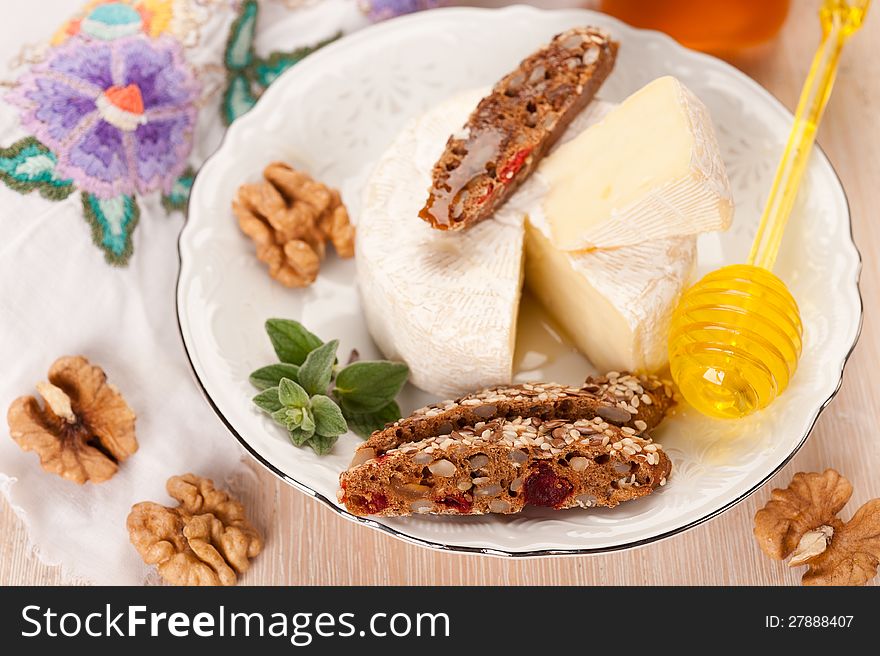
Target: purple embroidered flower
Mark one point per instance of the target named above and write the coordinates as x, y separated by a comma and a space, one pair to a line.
119, 115
379, 10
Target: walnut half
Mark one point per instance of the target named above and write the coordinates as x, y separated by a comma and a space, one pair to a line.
289, 216
84, 429
205, 540
801, 520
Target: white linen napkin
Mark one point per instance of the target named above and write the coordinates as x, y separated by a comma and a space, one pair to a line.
60, 296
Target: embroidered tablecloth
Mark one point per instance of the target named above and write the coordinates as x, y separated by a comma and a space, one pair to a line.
107, 110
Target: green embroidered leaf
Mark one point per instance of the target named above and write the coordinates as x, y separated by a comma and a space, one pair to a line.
291, 394
248, 75
366, 386
317, 370
266, 377
268, 400
267, 70
323, 444
238, 97
176, 200
364, 423
240, 44
112, 220
27, 165
328, 416
240, 94
291, 341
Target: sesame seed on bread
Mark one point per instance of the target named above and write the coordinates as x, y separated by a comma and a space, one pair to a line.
500, 449
503, 465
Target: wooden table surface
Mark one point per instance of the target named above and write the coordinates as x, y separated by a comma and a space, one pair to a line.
309, 544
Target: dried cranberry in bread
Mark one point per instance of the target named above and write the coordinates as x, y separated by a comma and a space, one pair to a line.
639, 402
512, 128
503, 465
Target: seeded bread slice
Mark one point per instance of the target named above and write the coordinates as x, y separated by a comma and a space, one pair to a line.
513, 127
503, 465
639, 402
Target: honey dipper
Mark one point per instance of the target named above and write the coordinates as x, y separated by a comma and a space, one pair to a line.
736, 335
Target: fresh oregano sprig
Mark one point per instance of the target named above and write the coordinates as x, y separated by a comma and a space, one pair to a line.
314, 398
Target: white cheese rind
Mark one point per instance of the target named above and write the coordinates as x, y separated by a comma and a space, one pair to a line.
444, 303
614, 305
651, 169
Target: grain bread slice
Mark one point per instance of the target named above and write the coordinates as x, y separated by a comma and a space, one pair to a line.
638, 402
503, 465
514, 126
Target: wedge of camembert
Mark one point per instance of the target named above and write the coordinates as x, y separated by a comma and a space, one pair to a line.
650, 169
615, 304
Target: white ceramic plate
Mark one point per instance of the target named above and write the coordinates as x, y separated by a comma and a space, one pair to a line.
335, 113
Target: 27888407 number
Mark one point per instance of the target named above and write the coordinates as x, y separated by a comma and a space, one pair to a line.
808, 621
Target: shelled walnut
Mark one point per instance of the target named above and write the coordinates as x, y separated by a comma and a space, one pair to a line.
84, 429
801, 521
205, 540
289, 216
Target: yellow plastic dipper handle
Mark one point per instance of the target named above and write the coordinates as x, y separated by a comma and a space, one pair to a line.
735, 337
840, 20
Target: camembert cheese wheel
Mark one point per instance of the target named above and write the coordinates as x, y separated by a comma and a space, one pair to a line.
447, 303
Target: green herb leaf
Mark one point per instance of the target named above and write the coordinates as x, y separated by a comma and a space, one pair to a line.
317, 370
282, 417
299, 437
328, 416
295, 390
367, 386
266, 377
364, 423
291, 394
294, 418
291, 341
323, 444
307, 423
268, 400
